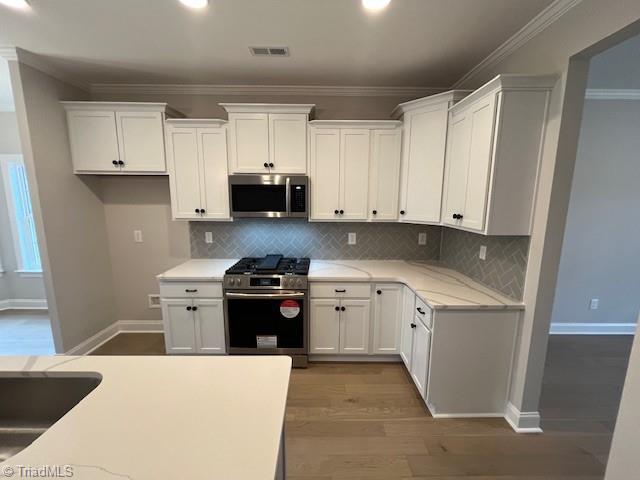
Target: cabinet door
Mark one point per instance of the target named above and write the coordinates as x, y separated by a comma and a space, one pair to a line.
420, 356
184, 173
94, 141
141, 142
354, 173
209, 320
424, 157
457, 167
354, 326
324, 327
385, 175
179, 326
288, 142
325, 173
249, 142
214, 184
482, 116
406, 335
387, 323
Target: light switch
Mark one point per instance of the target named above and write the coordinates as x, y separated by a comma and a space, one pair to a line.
352, 238
208, 237
594, 303
422, 238
137, 236
483, 252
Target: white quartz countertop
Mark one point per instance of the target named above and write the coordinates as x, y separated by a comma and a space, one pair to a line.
439, 287
164, 417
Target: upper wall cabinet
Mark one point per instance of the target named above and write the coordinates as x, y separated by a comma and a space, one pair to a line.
493, 155
423, 155
354, 169
197, 161
267, 138
117, 138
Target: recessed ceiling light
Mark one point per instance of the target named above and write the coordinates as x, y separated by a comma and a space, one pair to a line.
22, 4
194, 3
375, 5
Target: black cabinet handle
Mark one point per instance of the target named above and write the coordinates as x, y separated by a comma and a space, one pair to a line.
342, 308
401, 212
271, 165
189, 308
190, 290
379, 292
341, 212
375, 212
266, 165
337, 309
340, 291
413, 325
195, 308
336, 212
115, 162
420, 311
120, 162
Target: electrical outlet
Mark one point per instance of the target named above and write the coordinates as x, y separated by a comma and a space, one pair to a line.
154, 300
594, 303
137, 236
351, 240
422, 238
483, 252
208, 237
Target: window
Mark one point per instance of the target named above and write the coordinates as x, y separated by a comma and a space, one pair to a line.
20, 213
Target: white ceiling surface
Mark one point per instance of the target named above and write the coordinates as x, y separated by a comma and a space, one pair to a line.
618, 67
6, 94
422, 43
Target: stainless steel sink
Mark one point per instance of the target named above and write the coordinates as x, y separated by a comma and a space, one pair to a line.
29, 405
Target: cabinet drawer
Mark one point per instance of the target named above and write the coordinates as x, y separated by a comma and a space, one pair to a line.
340, 290
427, 316
191, 290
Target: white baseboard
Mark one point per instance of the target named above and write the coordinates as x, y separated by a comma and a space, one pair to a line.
522, 422
103, 336
593, 329
23, 304
355, 358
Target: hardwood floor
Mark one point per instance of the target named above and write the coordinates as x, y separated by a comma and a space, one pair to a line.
367, 421
25, 332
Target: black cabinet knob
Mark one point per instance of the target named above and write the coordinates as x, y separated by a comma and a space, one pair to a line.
189, 308
337, 309
115, 162
341, 212
197, 210
460, 216
195, 308
342, 308
202, 211
271, 165
413, 325
266, 165
401, 212
336, 212
457, 216
120, 162
375, 212
379, 292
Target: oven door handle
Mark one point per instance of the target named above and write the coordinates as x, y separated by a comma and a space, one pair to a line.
258, 296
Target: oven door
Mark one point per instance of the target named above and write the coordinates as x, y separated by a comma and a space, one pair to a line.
266, 323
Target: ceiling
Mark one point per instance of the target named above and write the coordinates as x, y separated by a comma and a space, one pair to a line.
423, 43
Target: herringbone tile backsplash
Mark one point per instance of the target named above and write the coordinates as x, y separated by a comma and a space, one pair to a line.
504, 269
300, 238
505, 266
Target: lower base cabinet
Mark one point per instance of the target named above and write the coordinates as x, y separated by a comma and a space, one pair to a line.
420, 356
193, 326
339, 326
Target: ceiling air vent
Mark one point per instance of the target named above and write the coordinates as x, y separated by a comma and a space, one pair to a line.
269, 51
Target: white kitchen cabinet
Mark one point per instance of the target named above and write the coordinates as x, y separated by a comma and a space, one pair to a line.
406, 338
268, 138
420, 356
197, 158
423, 155
354, 326
179, 326
387, 318
493, 155
209, 322
340, 160
324, 326
385, 175
117, 138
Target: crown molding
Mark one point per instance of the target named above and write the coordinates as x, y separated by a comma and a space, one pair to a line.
366, 124
8, 53
539, 23
612, 94
285, 90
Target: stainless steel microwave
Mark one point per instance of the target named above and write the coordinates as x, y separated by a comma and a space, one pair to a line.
269, 195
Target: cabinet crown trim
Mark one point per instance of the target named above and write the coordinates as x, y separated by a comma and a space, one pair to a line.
196, 122
122, 106
268, 107
450, 96
372, 124
509, 82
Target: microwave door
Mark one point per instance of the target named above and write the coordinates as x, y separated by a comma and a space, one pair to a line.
259, 200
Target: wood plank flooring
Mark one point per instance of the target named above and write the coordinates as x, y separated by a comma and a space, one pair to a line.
367, 421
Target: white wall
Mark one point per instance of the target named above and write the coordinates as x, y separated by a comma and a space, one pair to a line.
600, 248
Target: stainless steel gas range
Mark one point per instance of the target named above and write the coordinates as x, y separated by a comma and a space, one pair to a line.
266, 307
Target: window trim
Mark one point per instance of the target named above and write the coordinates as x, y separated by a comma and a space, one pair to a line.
5, 160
